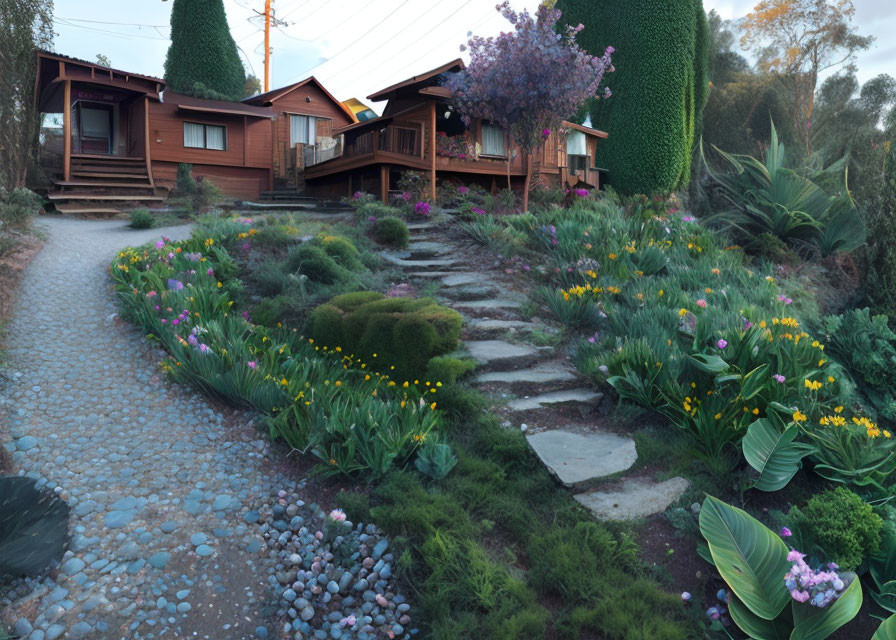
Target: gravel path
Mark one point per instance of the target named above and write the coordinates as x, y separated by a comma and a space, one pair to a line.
159, 479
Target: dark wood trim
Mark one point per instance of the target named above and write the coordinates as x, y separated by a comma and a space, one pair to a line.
146, 151
432, 147
384, 183
67, 131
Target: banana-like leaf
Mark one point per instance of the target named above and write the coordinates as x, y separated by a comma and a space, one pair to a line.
885, 596
887, 630
748, 555
754, 382
758, 628
773, 453
815, 623
710, 364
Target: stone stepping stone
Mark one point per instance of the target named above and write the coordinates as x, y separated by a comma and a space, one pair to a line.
634, 498
467, 278
485, 326
434, 264
413, 226
490, 304
431, 248
581, 396
543, 373
430, 274
472, 292
494, 352
576, 457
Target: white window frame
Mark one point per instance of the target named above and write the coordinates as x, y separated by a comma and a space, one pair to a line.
205, 128
486, 152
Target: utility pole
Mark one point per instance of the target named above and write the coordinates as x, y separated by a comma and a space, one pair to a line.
267, 45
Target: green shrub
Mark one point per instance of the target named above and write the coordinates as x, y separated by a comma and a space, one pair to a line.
270, 280
314, 263
391, 231
17, 208
367, 210
866, 346
356, 505
205, 195
142, 219
401, 332
185, 185
342, 251
448, 370
270, 311
837, 526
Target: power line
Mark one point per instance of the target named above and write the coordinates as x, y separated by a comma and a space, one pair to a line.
116, 34
122, 24
408, 46
349, 45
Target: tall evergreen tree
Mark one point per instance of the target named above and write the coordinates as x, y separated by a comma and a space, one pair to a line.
203, 59
659, 88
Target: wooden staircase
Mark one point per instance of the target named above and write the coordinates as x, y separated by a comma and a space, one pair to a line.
104, 184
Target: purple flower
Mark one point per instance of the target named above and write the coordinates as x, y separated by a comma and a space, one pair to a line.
713, 613
210, 272
252, 364
722, 595
358, 195
784, 299
175, 285
546, 133
371, 219
204, 348
685, 596
422, 208
160, 244
462, 190
785, 532
721, 344
779, 378
478, 211
582, 193
688, 219
192, 340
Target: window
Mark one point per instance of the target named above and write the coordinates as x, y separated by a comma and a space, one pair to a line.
205, 136
493, 141
302, 129
577, 150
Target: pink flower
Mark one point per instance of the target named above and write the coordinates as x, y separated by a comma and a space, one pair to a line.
582, 193
785, 532
151, 294
799, 596
795, 556
462, 190
159, 244
338, 515
252, 364
701, 303
210, 272
779, 378
721, 344
546, 133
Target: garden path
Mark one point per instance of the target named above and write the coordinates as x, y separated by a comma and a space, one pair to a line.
535, 387
159, 479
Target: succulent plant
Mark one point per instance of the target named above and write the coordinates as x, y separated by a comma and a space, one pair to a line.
33, 527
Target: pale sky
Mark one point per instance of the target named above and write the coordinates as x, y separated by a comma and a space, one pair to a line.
355, 47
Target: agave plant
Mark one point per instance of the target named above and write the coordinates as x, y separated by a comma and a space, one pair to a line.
769, 199
33, 527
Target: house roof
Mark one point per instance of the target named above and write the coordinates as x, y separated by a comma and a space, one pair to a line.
269, 97
190, 103
43, 53
384, 94
588, 130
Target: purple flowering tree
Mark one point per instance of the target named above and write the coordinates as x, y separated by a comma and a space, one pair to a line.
527, 81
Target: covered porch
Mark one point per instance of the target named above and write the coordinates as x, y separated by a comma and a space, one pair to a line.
101, 151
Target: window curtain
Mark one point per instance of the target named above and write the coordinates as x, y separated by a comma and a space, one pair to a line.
493, 141
214, 137
194, 135
576, 144
302, 129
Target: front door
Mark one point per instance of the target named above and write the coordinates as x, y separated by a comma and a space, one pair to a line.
94, 129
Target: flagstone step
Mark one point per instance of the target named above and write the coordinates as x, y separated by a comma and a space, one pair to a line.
430, 275
579, 396
576, 457
466, 278
633, 498
542, 373
489, 304
430, 247
435, 264
493, 353
470, 293
481, 329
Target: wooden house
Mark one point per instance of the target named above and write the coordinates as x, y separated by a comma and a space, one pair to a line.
305, 116
420, 131
123, 136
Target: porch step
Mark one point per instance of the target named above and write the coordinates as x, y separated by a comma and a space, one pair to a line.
110, 168
82, 209
123, 197
101, 184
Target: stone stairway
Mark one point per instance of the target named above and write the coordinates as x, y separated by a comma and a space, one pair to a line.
533, 386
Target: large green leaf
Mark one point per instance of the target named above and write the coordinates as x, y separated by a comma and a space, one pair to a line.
778, 629
709, 363
773, 453
887, 630
748, 555
815, 623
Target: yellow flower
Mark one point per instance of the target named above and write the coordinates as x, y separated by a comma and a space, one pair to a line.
821, 362
717, 416
798, 416
220, 285
682, 312
284, 382
756, 411
838, 409
433, 406
812, 385
612, 256
338, 383
708, 290
660, 293
830, 378
716, 271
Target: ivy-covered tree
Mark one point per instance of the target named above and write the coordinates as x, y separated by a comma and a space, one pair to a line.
203, 59
527, 81
25, 25
660, 87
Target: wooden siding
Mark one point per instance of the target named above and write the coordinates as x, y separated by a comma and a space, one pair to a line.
166, 130
235, 182
307, 100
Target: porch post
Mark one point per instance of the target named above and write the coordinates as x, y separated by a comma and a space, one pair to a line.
67, 132
146, 143
384, 183
432, 149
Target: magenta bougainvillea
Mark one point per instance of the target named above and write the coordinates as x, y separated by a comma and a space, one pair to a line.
530, 79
